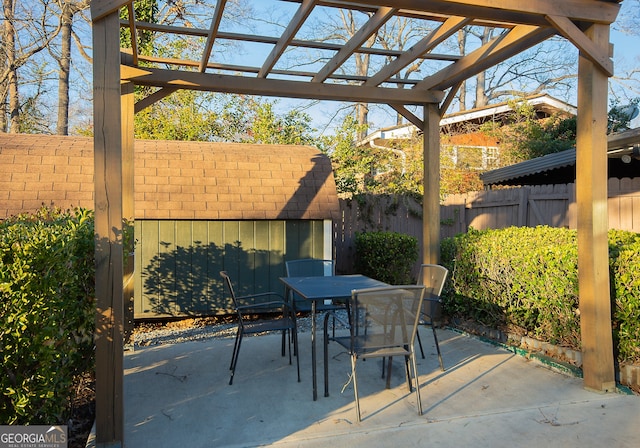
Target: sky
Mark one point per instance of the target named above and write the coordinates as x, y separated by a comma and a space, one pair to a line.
626, 58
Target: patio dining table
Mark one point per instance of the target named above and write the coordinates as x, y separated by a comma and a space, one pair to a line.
319, 289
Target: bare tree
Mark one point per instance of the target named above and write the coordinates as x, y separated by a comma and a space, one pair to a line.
25, 32
10, 78
548, 67
68, 10
462, 47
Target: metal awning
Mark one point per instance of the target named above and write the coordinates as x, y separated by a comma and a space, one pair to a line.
525, 172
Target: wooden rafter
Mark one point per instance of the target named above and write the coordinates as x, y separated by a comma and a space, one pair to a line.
285, 40
239, 37
497, 50
211, 35
248, 69
425, 45
134, 33
359, 38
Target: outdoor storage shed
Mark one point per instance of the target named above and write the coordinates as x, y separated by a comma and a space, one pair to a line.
199, 208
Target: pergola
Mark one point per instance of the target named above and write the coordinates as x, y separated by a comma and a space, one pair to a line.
523, 24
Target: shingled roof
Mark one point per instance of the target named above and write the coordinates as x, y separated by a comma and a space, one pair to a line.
173, 180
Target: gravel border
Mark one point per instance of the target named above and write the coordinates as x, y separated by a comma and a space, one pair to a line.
168, 334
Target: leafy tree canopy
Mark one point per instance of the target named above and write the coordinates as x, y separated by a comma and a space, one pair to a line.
527, 136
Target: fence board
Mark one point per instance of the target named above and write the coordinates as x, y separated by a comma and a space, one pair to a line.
552, 205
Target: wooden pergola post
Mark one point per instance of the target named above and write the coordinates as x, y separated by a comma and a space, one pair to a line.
593, 225
109, 214
431, 182
128, 206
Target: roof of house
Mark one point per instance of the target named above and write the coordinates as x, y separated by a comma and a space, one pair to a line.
544, 105
173, 179
560, 167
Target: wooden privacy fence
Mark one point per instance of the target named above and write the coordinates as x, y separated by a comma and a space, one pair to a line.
551, 205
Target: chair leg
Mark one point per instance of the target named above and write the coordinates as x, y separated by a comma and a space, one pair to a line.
295, 349
420, 343
355, 385
284, 340
408, 373
234, 356
417, 378
435, 338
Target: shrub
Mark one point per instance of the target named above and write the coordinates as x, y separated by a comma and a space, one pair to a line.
386, 256
47, 312
624, 248
528, 278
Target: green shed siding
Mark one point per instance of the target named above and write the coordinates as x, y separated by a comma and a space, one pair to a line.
178, 262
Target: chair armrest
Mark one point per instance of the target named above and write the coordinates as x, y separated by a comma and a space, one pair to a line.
264, 305
261, 294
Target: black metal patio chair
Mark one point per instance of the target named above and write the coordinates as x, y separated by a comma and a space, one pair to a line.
432, 276
272, 315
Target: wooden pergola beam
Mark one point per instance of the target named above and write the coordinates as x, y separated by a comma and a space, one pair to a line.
240, 37
516, 11
275, 87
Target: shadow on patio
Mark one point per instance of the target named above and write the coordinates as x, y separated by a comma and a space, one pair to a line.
177, 395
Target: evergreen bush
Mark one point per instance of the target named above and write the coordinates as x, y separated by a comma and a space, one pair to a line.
386, 256
47, 313
528, 278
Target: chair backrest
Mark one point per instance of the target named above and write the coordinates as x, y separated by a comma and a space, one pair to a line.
432, 276
385, 317
227, 281
310, 267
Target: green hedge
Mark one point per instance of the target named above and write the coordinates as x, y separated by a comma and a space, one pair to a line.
528, 278
47, 313
386, 256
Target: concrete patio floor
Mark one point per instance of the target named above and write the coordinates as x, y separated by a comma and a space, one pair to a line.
178, 396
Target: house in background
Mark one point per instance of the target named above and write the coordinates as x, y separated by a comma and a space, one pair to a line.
623, 154
199, 208
463, 145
